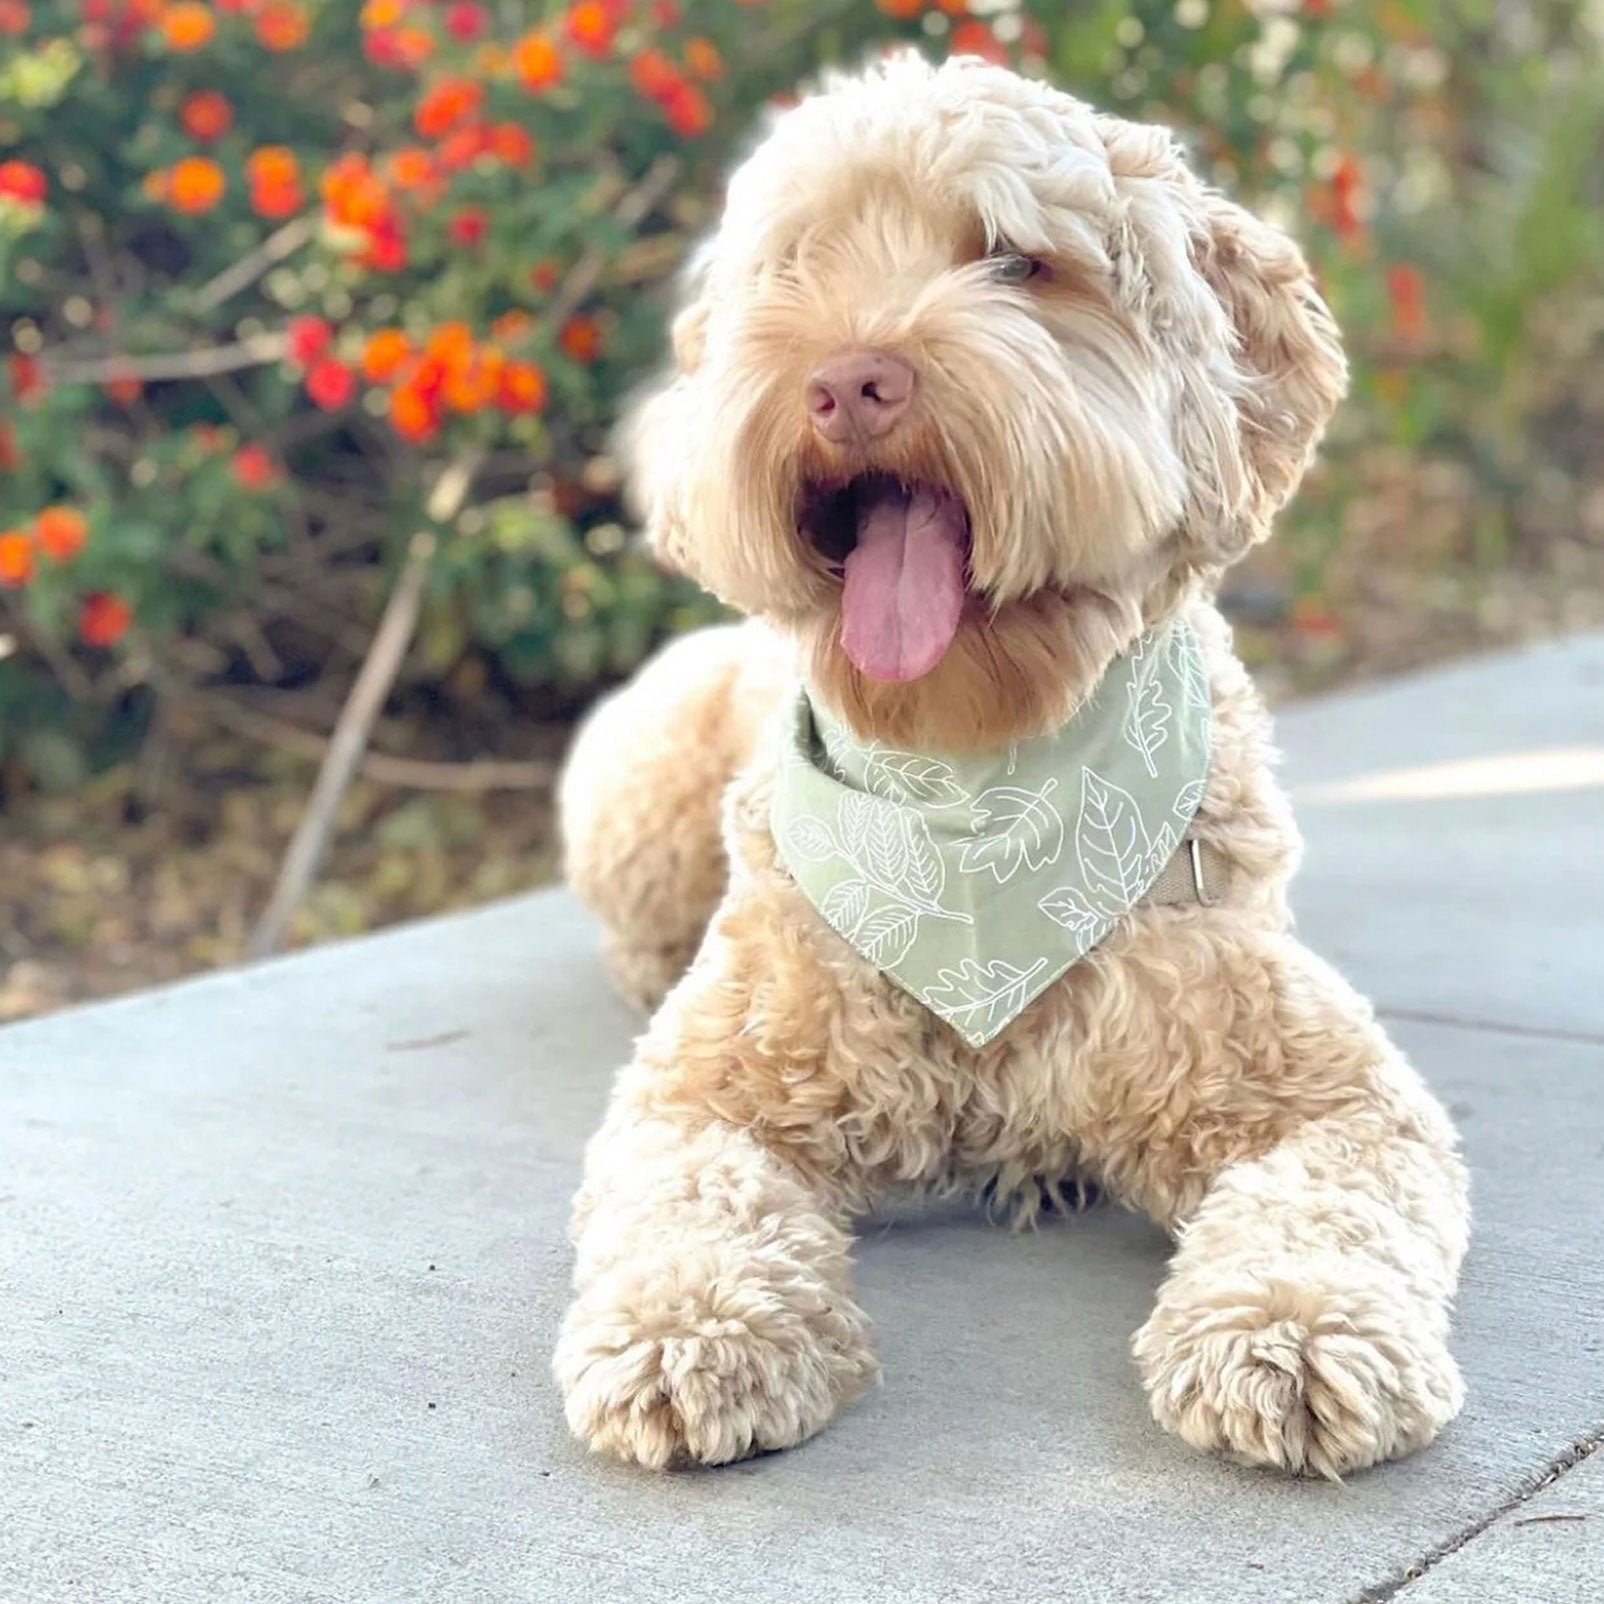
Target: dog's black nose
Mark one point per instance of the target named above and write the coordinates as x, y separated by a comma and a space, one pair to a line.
856, 396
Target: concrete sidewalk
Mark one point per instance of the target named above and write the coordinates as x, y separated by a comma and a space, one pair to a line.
282, 1254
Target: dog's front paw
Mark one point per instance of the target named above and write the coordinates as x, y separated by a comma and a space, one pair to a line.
706, 1358
1318, 1374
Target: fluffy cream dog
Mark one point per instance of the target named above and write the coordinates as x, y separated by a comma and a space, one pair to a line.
1073, 383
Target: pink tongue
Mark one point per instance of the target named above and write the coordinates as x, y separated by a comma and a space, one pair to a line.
904, 590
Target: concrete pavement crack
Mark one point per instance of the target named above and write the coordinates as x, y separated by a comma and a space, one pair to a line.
1571, 1457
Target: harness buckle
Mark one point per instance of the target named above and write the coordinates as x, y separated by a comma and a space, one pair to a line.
1194, 853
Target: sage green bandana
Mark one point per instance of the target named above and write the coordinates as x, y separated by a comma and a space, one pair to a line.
975, 882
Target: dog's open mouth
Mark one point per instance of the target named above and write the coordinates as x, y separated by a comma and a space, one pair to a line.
903, 551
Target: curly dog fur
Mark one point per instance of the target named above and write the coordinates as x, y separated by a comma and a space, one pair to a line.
1122, 419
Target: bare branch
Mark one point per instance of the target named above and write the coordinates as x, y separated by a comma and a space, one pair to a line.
242, 274
413, 774
631, 212
354, 726
255, 352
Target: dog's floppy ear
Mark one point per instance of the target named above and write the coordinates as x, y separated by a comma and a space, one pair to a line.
1291, 372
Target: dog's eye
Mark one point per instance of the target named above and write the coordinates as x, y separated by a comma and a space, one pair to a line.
1013, 267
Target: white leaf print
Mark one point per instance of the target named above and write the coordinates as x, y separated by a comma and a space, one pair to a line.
1147, 720
927, 874
1190, 799
978, 993
887, 933
845, 904
873, 837
907, 777
1187, 656
810, 839
1110, 841
1031, 832
1070, 907
1160, 850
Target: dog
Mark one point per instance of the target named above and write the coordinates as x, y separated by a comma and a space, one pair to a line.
975, 394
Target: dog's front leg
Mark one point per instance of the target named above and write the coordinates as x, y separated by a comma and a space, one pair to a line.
713, 1317
1304, 1319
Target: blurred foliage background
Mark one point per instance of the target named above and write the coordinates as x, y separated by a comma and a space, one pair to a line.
270, 268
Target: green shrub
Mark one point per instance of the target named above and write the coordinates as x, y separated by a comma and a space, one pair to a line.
269, 265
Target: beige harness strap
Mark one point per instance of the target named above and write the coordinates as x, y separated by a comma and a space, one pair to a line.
1195, 874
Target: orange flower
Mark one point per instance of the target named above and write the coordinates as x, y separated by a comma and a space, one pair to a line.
385, 354
687, 110
273, 165
104, 619
976, 39
953, 8
449, 102
355, 197
1406, 290
512, 326
330, 383
522, 388
466, 21
277, 200
469, 227
125, 389
901, 10
382, 13
281, 25
195, 184
61, 532
412, 415
590, 26
411, 47
652, 73
464, 146
1346, 183
537, 62
411, 167
27, 377
16, 558
703, 60
22, 181
205, 115
451, 342
306, 338
386, 249
14, 16
254, 468
512, 144
581, 338
475, 385
187, 25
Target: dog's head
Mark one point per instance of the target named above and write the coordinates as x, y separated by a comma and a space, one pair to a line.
969, 380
